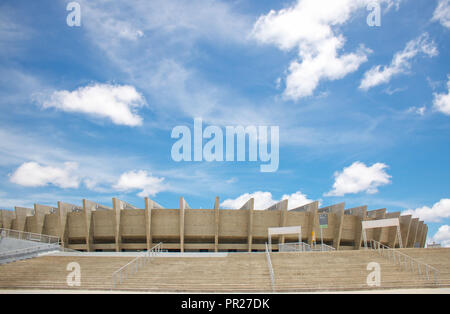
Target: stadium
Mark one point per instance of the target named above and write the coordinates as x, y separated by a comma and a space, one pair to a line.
215, 250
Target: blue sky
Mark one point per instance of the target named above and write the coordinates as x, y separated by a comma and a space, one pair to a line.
87, 111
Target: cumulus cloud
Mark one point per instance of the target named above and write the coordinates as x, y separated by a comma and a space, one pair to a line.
32, 174
309, 26
359, 178
439, 211
441, 102
442, 236
264, 200
442, 13
400, 63
140, 180
115, 102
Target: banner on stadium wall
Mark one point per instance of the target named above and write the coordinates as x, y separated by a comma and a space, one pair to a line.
323, 220
393, 222
285, 230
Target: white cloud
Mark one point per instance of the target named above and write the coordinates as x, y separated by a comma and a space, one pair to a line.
442, 13
436, 213
140, 180
442, 236
441, 102
32, 174
359, 178
400, 63
310, 27
115, 102
169, 23
296, 199
417, 110
264, 200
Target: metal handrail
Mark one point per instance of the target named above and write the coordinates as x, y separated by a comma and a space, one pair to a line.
30, 236
406, 262
322, 247
304, 247
269, 264
135, 265
28, 250
294, 247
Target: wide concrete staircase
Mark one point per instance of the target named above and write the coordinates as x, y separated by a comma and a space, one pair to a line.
436, 257
237, 272
341, 270
50, 272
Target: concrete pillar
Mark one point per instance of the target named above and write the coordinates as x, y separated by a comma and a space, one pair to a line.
117, 209
312, 225
413, 232
217, 224
88, 207
405, 225
338, 210
250, 206
419, 233
392, 231
360, 214
183, 207
424, 236
377, 214
63, 210
283, 206
148, 222
39, 213
22, 213
7, 218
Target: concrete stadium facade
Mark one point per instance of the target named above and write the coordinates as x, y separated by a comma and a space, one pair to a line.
123, 227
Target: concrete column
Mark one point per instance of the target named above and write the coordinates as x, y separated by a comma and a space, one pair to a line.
419, 233
250, 207
413, 232
63, 209
22, 213
7, 218
217, 224
148, 222
392, 231
312, 222
87, 209
360, 214
424, 236
283, 217
39, 213
183, 207
405, 224
377, 214
117, 209
338, 211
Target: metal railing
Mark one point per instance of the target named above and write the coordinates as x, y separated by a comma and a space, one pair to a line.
406, 262
269, 264
294, 247
21, 235
322, 248
13, 255
134, 266
304, 247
